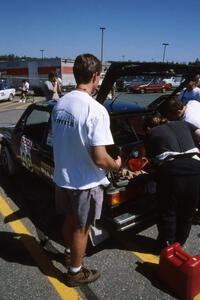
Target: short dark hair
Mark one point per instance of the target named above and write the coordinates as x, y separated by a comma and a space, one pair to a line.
52, 75
193, 77
171, 106
85, 66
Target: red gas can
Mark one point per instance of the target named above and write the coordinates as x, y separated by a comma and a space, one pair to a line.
180, 271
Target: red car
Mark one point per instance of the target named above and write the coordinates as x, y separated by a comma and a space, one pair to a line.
150, 86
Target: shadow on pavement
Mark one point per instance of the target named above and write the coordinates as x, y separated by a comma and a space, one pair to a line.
150, 271
35, 200
12, 249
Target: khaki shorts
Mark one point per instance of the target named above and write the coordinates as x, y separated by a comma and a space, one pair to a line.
85, 205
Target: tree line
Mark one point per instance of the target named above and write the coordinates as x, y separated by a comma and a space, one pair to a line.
13, 57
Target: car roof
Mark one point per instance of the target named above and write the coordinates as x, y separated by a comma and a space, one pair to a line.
118, 69
45, 104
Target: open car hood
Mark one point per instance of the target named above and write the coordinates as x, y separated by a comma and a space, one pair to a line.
119, 69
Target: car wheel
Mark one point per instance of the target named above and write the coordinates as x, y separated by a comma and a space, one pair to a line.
163, 90
11, 97
142, 91
7, 162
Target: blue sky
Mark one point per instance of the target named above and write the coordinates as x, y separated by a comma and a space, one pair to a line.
134, 29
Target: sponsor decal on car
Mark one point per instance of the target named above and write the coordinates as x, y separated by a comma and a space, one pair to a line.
25, 153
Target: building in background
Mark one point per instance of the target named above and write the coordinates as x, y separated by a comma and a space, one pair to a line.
36, 71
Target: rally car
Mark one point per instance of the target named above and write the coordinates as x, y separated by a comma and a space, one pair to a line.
130, 198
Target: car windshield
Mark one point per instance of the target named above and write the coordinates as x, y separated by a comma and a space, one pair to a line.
127, 128
143, 90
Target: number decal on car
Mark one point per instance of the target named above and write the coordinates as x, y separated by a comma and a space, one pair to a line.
25, 153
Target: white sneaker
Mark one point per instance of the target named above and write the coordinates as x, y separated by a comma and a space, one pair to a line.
20, 101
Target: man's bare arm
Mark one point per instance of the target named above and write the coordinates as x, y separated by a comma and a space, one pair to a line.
103, 160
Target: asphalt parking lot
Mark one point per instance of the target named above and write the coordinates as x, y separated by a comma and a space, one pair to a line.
127, 261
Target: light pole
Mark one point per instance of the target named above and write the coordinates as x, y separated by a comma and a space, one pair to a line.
102, 30
164, 50
42, 52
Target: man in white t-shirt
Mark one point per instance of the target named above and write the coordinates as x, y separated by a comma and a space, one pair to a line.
81, 130
192, 91
52, 87
24, 90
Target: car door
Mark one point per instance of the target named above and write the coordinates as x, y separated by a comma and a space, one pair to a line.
47, 164
29, 139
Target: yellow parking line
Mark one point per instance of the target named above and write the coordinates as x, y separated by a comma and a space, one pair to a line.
38, 255
147, 257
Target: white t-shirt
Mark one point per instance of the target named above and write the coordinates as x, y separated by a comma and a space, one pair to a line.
192, 113
79, 122
49, 91
186, 95
25, 86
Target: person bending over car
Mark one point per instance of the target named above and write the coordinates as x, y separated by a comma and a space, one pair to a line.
170, 146
81, 129
173, 109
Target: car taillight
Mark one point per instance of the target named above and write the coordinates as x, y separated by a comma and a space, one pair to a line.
117, 197
113, 198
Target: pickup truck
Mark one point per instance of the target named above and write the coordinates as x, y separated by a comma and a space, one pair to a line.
129, 200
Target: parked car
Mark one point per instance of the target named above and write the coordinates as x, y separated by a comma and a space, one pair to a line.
150, 86
129, 200
123, 83
6, 91
175, 81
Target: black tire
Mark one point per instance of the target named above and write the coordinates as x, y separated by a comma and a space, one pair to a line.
11, 97
7, 162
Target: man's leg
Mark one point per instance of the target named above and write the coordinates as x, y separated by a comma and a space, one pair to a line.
75, 239
66, 230
189, 187
166, 212
78, 245
76, 230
